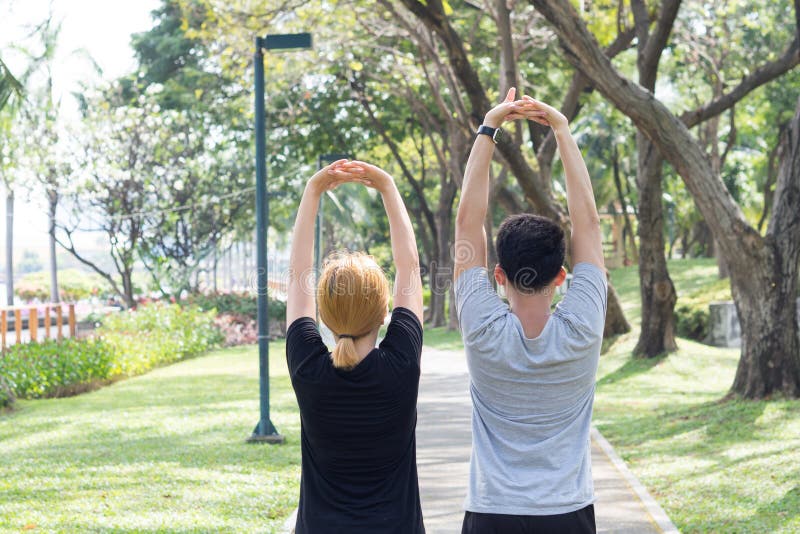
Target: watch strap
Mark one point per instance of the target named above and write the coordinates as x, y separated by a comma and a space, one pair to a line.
488, 130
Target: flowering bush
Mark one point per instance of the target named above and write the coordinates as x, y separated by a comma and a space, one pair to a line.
237, 329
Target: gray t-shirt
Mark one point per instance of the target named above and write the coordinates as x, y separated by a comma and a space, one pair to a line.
531, 398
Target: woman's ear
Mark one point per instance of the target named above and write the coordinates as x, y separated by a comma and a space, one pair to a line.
499, 275
561, 276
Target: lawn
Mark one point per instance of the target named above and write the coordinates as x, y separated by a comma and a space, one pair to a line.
165, 451
713, 465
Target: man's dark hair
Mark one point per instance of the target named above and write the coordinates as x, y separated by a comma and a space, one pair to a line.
530, 250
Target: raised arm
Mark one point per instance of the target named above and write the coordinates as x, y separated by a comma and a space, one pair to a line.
408, 284
587, 242
470, 246
302, 298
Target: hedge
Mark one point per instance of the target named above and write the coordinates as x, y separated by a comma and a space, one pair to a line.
128, 343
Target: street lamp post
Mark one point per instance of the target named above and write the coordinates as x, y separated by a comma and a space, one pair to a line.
265, 431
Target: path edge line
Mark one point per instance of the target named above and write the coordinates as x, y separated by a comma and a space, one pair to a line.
657, 514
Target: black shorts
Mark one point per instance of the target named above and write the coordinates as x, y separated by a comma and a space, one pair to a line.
577, 522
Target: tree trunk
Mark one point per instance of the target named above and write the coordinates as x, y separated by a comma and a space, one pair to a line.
215, 266
766, 302
452, 323
442, 272
127, 288
52, 198
764, 284
9, 246
657, 334
616, 323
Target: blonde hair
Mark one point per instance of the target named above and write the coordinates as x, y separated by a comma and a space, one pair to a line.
353, 297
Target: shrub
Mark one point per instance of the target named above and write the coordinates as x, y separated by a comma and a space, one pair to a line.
156, 334
56, 368
691, 312
73, 285
237, 329
6, 394
239, 304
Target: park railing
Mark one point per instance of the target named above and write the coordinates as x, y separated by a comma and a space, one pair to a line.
50, 312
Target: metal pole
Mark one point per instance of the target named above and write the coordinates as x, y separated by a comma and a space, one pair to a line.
264, 431
318, 233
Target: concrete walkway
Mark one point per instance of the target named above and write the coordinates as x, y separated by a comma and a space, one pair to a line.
443, 448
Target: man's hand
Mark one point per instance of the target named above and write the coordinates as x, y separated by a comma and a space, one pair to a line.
500, 113
532, 109
587, 245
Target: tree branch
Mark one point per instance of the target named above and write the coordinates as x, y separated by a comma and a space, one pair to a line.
764, 74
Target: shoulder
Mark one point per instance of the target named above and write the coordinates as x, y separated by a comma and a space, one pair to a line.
403, 337
304, 344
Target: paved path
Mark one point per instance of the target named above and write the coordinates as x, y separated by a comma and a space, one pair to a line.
443, 449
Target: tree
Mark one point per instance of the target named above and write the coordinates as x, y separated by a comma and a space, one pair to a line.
536, 185
44, 159
114, 190
11, 91
764, 269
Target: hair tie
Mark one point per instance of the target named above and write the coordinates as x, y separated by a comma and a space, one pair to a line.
347, 335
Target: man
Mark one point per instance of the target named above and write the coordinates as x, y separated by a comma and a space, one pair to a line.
532, 372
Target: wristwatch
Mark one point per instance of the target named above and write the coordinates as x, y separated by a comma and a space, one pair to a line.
493, 133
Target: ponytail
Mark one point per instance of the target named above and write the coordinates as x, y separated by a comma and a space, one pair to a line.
344, 353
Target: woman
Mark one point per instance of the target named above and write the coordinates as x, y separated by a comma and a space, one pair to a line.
358, 402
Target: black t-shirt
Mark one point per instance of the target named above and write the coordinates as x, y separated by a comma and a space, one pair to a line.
359, 472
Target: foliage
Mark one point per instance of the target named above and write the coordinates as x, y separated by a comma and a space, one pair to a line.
692, 313
9, 85
56, 368
7, 397
73, 285
235, 303
162, 453
237, 329
157, 334
240, 304
127, 344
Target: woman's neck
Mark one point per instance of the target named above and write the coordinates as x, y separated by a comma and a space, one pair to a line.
365, 344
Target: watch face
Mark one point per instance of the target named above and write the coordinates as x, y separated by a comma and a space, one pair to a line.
496, 135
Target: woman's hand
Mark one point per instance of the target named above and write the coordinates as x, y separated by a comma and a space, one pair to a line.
333, 175
370, 175
502, 111
532, 109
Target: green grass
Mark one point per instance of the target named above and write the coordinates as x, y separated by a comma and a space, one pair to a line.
687, 275
442, 339
161, 452
713, 465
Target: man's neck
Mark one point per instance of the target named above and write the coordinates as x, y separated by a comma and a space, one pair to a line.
532, 310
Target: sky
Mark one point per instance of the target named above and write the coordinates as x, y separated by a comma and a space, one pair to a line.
99, 28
